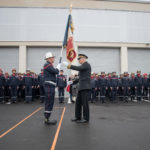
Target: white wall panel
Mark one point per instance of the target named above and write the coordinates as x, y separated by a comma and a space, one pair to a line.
103, 59
48, 24
9, 58
139, 59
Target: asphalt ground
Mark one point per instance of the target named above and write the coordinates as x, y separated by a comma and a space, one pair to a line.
117, 126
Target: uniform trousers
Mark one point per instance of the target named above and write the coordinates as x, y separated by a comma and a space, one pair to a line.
14, 93
61, 94
42, 93
7, 93
28, 93
49, 99
82, 103
139, 92
1, 94
103, 93
92, 95
114, 93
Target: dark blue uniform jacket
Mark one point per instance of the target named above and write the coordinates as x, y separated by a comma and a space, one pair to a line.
61, 81
132, 82
7, 81
14, 81
102, 82
28, 80
50, 72
125, 82
114, 82
2, 80
94, 83
41, 79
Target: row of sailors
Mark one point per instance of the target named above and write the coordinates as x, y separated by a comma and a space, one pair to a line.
125, 86
18, 86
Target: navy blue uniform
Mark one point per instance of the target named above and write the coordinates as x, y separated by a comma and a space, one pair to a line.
83, 90
97, 90
35, 87
120, 90
7, 90
132, 87
14, 82
2, 84
102, 85
145, 87
108, 92
20, 89
61, 84
138, 82
28, 83
125, 87
41, 85
94, 85
49, 86
114, 84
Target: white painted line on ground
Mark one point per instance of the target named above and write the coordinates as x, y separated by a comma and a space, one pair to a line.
146, 101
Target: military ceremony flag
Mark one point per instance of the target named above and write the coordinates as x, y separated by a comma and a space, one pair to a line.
68, 42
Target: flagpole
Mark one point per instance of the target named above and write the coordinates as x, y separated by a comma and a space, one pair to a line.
61, 52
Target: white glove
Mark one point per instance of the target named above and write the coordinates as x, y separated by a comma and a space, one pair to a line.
58, 66
65, 63
69, 82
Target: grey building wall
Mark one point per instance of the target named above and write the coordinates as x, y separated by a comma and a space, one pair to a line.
139, 59
103, 59
9, 58
48, 24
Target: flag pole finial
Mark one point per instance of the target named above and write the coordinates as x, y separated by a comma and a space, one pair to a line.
70, 8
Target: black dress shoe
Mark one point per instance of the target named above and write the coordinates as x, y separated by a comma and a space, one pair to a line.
50, 122
75, 119
82, 121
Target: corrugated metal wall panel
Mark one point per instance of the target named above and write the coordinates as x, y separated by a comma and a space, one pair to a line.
48, 24
103, 59
9, 58
138, 59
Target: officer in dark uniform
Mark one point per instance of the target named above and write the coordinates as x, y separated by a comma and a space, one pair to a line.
125, 86
7, 90
41, 86
2, 84
102, 85
145, 86
108, 92
94, 85
49, 86
35, 87
114, 85
61, 84
28, 85
138, 82
14, 82
97, 92
148, 87
132, 86
120, 90
35, 83
84, 89
20, 89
